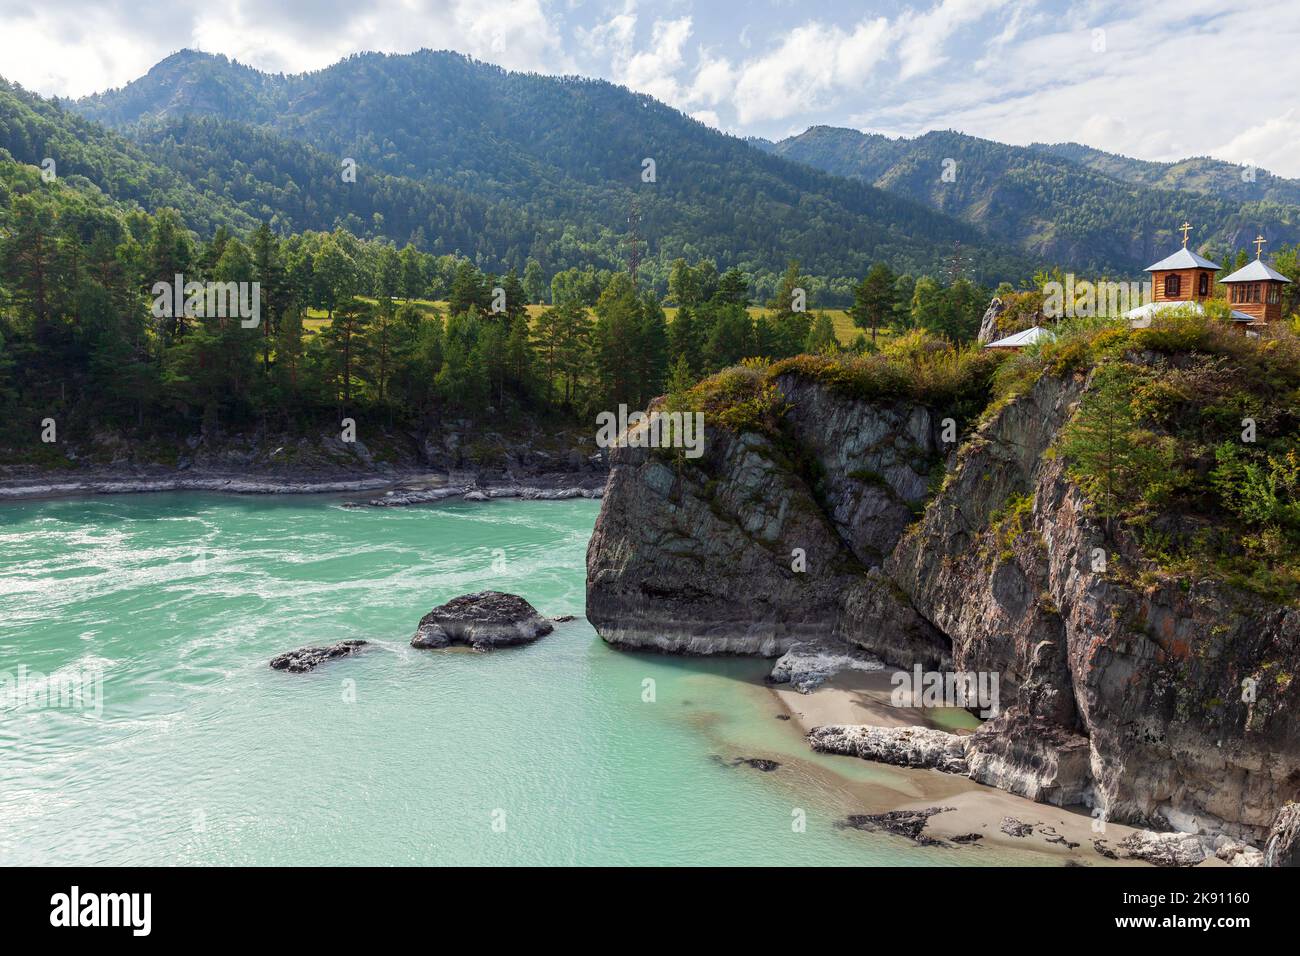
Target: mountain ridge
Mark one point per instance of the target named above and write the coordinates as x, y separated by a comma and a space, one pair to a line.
444, 119
1047, 200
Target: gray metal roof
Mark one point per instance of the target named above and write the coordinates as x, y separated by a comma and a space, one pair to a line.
1256, 271
1184, 258
1020, 339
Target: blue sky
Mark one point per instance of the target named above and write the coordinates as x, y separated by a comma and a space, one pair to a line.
1157, 79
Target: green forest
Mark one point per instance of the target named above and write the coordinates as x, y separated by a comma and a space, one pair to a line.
1097, 217
460, 157
349, 326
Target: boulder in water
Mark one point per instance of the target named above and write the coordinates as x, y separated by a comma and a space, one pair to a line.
483, 620
305, 659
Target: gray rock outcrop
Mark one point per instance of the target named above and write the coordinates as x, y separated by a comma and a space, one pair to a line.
1283, 845
900, 746
483, 620
794, 570
305, 659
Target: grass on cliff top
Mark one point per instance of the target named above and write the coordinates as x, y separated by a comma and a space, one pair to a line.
952, 380
1271, 365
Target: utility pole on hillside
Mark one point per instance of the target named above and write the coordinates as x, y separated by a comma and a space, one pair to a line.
955, 269
634, 238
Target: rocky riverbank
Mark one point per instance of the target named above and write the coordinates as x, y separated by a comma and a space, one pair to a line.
391, 470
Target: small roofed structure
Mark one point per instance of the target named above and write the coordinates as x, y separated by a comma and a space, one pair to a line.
1030, 336
1255, 290
1183, 276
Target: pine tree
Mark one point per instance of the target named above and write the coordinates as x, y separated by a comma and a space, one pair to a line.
412, 273
615, 344
268, 269
348, 347
519, 355
169, 253
1115, 460
684, 340
873, 299
470, 292
516, 299
683, 287
652, 347
789, 316
334, 275
463, 380
731, 339
821, 338
680, 377
732, 289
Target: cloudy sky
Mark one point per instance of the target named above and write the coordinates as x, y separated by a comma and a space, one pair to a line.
1157, 79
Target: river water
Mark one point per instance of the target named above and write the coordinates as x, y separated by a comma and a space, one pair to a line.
177, 744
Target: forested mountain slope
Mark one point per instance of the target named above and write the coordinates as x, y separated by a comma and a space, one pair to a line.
1055, 208
569, 153
1200, 174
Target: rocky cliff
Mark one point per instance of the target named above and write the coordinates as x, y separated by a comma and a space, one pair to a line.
1119, 695
760, 544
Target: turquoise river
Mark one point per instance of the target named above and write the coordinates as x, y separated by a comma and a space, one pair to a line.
186, 748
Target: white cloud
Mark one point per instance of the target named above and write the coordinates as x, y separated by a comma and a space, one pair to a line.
1270, 144
922, 36
1177, 78
75, 47
813, 61
714, 81
653, 70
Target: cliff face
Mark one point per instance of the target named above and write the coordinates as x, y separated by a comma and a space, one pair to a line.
742, 551
1150, 679
1123, 697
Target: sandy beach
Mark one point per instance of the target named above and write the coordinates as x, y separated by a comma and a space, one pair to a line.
974, 816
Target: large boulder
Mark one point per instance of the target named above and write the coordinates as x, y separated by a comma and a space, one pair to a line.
483, 620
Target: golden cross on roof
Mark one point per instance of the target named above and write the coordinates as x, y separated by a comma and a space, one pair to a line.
1259, 245
1186, 227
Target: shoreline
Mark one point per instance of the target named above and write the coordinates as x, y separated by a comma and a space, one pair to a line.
958, 814
399, 488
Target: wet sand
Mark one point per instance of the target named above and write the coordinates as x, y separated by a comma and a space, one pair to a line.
863, 697
1055, 835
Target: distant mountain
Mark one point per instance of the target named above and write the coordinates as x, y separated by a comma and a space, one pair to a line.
566, 154
86, 154
1086, 212
1200, 174
222, 173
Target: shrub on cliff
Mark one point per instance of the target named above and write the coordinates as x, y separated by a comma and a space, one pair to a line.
918, 365
740, 398
1188, 440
